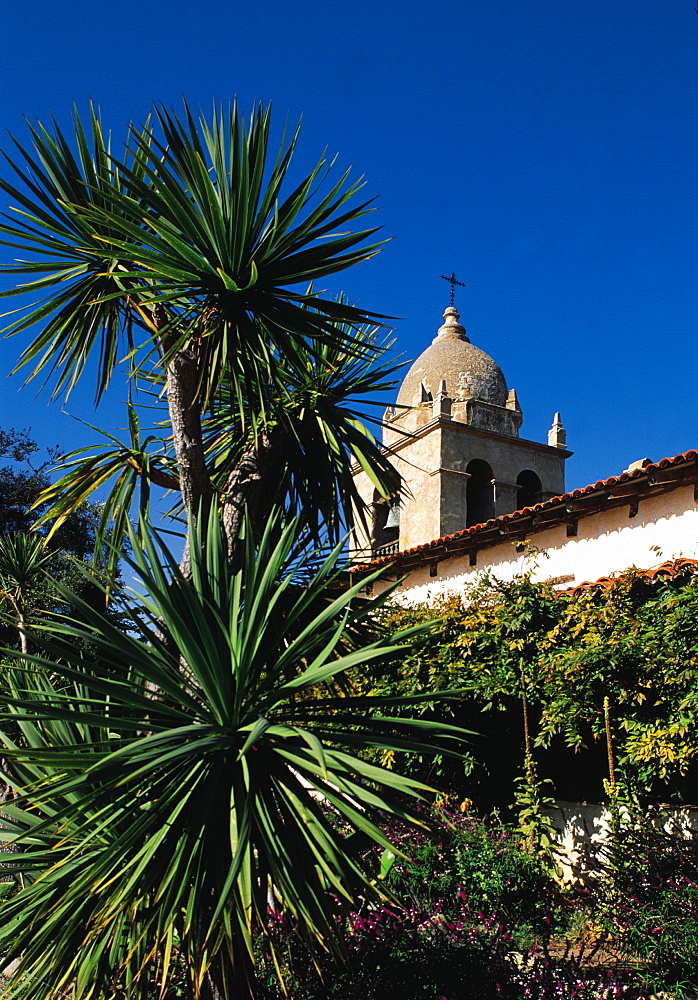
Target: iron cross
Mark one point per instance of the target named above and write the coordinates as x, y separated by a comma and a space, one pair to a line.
453, 281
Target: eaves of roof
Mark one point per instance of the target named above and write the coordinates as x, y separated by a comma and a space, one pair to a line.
628, 489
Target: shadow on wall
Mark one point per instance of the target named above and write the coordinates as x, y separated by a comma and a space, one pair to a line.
585, 830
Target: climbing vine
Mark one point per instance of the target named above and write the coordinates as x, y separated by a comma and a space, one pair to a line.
567, 678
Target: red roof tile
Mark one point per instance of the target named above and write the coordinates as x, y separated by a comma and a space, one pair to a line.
669, 570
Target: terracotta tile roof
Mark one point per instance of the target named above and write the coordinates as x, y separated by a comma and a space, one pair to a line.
651, 480
669, 570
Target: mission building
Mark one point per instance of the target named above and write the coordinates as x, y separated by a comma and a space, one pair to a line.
477, 496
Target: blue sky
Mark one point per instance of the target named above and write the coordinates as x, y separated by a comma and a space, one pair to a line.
545, 151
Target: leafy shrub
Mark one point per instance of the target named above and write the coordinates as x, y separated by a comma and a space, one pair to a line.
471, 896
482, 863
634, 642
415, 953
649, 897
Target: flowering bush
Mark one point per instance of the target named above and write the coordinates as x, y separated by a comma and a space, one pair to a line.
480, 920
648, 898
469, 915
482, 865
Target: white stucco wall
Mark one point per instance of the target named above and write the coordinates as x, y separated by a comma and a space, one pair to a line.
665, 527
584, 830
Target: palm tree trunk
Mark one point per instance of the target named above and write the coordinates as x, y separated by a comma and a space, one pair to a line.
183, 402
23, 641
187, 438
254, 485
187, 435
234, 982
210, 989
18, 608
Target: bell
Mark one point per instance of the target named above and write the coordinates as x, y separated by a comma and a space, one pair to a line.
393, 517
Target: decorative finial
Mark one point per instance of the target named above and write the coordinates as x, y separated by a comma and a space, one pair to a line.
557, 436
453, 281
451, 326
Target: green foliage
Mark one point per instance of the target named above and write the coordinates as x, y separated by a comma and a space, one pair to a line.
478, 918
634, 644
191, 215
648, 896
481, 861
22, 557
462, 887
20, 482
22, 485
175, 779
190, 251
34, 558
320, 417
534, 806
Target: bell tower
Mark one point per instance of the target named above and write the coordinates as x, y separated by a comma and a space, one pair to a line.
453, 435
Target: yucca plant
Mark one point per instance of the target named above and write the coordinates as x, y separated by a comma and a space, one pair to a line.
300, 452
23, 559
176, 782
191, 253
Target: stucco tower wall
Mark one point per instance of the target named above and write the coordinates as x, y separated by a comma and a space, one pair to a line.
454, 409
507, 457
433, 463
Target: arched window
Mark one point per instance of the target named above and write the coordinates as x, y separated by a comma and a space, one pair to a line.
386, 522
479, 493
530, 489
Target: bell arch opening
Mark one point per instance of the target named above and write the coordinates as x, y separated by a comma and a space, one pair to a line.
479, 493
386, 524
530, 489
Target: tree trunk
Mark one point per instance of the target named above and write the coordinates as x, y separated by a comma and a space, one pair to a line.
183, 401
210, 989
21, 625
18, 608
234, 982
187, 436
254, 485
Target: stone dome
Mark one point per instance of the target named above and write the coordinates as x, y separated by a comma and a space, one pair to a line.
467, 371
